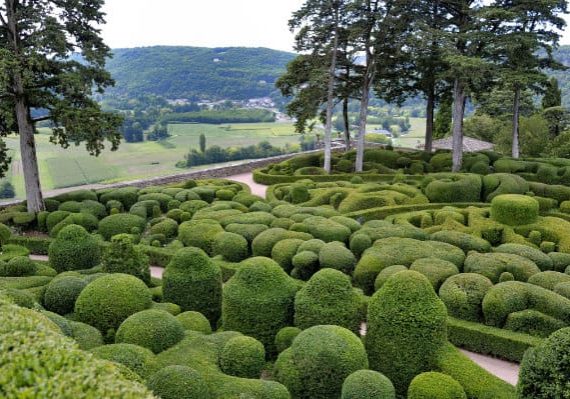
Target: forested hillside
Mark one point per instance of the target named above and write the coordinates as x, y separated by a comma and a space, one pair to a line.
563, 55
197, 73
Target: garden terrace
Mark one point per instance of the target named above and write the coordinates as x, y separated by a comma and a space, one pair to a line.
477, 261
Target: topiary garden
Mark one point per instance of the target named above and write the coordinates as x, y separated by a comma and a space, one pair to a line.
361, 287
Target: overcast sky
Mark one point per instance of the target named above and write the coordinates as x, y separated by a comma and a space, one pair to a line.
204, 23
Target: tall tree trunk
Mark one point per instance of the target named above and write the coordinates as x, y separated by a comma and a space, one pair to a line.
458, 113
33, 188
346, 123
430, 110
516, 112
330, 99
363, 118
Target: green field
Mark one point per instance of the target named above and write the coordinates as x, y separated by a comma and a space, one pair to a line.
73, 166
416, 135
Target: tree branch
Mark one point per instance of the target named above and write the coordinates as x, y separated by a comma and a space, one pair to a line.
41, 119
3, 21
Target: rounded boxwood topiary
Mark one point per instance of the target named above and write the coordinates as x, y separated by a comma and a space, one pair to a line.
544, 369
436, 270
463, 295
385, 274
195, 321
136, 358
328, 298
110, 299
5, 234
20, 297
61, 293
120, 223
258, 301
74, 249
335, 255
233, 247
200, 234
20, 266
284, 251
432, 385
194, 282
542, 260
367, 384
168, 227
285, 337
122, 256
406, 328
243, 357
319, 360
179, 382
153, 329
514, 209
305, 264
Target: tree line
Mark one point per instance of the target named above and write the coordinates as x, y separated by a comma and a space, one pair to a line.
447, 51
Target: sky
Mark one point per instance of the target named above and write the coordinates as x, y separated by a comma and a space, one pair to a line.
205, 23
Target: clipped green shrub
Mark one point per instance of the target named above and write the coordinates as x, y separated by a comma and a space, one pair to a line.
136, 358
385, 274
492, 265
200, 234
194, 282
231, 246
119, 224
436, 270
20, 297
259, 300
367, 384
74, 249
284, 251
406, 328
433, 385
533, 322
514, 210
462, 188
18, 266
285, 337
263, 243
543, 261
86, 336
179, 382
544, 369
194, 321
328, 298
318, 362
463, 295
243, 357
153, 329
107, 301
335, 255
121, 256
168, 227
61, 293
305, 264
466, 242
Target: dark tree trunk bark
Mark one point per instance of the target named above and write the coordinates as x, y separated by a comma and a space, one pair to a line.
346, 124
516, 112
26, 129
458, 113
430, 111
330, 102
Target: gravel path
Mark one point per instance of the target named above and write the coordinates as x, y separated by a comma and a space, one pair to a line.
247, 178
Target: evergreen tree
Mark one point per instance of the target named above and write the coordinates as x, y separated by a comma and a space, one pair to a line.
552, 95
202, 143
443, 119
38, 71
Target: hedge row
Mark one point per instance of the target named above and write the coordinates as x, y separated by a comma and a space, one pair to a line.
487, 340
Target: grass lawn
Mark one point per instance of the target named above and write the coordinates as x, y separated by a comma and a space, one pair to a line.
410, 140
73, 166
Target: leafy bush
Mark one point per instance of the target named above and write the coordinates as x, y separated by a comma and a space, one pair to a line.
243, 357
467, 242
319, 360
284, 251
543, 261
458, 189
194, 282
367, 384
179, 382
436, 270
153, 329
328, 298
61, 293
168, 227
200, 234
305, 264
285, 337
406, 328
335, 255
514, 210
263, 243
123, 257
231, 246
74, 249
119, 224
194, 321
19, 266
544, 369
463, 295
136, 358
259, 284
325, 229
492, 265
433, 385
503, 183
86, 336
110, 299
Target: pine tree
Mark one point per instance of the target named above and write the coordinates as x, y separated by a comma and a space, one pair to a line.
552, 95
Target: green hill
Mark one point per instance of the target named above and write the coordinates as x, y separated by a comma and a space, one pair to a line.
197, 73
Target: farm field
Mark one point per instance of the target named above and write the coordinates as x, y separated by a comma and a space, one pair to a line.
413, 138
74, 166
